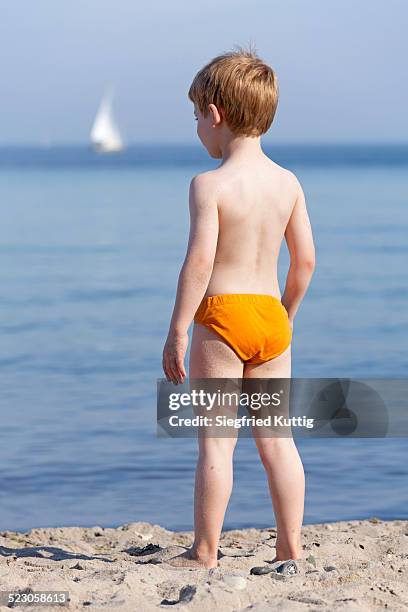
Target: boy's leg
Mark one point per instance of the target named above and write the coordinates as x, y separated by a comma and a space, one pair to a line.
210, 357
284, 469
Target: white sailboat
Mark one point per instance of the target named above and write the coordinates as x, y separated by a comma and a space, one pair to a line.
105, 135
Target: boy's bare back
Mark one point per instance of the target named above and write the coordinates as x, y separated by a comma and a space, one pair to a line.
249, 204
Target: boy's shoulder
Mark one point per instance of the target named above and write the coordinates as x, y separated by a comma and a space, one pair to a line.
212, 182
205, 184
285, 174
289, 182
205, 178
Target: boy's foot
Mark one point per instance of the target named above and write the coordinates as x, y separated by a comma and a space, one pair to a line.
280, 559
285, 556
188, 560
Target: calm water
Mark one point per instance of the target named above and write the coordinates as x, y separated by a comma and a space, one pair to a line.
90, 252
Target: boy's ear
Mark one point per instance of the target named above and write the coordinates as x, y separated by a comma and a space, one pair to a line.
216, 114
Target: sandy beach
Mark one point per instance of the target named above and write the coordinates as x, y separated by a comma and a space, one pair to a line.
347, 565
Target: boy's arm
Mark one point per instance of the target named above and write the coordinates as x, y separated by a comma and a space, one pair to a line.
194, 275
299, 238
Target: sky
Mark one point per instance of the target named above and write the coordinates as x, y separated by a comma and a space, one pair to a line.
341, 66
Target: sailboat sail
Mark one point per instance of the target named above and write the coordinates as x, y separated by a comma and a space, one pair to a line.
105, 136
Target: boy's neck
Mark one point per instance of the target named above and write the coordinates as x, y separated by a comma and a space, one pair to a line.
241, 148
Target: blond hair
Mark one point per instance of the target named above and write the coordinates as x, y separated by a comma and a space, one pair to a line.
241, 84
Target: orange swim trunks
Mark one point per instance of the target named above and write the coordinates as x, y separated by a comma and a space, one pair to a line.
255, 326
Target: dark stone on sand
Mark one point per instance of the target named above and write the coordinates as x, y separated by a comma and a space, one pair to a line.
153, 560
139, 551
186, 595
77, 566
261, 570
314, 601
161, 554
287, 568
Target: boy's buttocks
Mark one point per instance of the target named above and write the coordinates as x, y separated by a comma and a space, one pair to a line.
255, 326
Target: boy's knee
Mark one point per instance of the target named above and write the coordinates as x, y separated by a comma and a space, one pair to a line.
220, 446
268, 447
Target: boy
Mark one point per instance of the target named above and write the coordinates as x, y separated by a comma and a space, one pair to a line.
239, 214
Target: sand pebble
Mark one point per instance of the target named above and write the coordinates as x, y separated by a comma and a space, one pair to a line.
139, 551
78, 566
287, 568
164, 554
307, 600
260, 570
311, 559
186, 595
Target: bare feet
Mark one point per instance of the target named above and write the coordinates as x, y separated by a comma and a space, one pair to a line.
286, 555
188, 560
287, 550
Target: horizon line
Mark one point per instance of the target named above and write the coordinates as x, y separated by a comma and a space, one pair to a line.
316, 143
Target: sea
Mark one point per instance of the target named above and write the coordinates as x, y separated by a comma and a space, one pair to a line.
90, 249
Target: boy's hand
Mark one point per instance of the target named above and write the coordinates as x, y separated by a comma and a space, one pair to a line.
173, 357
